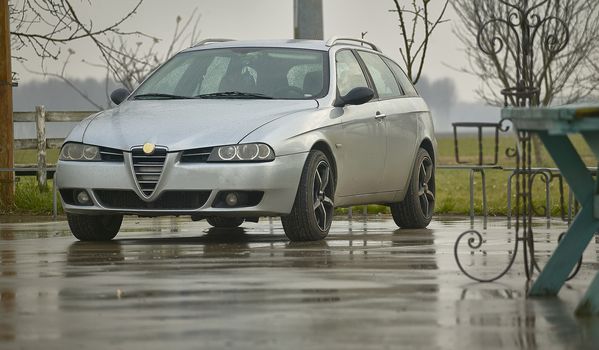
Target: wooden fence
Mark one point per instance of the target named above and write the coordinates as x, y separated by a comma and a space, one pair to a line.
41, 143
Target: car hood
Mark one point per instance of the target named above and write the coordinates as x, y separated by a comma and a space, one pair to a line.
186, 124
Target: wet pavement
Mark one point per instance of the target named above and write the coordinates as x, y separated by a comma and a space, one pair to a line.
171, 283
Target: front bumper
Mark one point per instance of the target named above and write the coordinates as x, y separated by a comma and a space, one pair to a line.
278, 180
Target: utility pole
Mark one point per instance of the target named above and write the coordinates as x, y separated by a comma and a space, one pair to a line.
308, 19
7, 179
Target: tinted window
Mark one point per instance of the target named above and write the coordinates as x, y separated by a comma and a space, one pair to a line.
274, 72
403, 79
349, 72
383, 78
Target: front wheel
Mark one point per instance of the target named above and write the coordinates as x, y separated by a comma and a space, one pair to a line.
94, 227
418, 206
312, 213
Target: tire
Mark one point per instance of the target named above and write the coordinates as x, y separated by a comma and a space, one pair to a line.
417, 208
312, 213
222, 222
94, 227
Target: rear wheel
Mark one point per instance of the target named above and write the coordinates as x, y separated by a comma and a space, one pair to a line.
94, 227
223, 222
418, 206
312, 213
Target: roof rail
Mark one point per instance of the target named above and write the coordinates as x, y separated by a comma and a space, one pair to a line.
210, 41
334, 41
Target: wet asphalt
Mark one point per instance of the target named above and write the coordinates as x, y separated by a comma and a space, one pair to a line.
174, 284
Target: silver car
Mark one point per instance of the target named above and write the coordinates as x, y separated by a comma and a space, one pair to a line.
230, 131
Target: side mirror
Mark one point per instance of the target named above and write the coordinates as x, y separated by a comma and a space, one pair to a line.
119, 95
356, 96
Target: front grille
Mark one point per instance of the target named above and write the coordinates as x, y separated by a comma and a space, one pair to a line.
168, 200
199, 155
111, 155
148, 168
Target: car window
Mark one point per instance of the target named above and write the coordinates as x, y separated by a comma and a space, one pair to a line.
306, 77
383, 78
279, 73
214, 75
403, 79
167, 83
349, 72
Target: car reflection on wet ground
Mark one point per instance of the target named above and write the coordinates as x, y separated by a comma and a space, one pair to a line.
170, 283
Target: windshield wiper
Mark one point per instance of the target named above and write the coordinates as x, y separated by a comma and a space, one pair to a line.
161, 96
235, 94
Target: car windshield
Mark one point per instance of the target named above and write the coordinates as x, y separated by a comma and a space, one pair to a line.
241, 73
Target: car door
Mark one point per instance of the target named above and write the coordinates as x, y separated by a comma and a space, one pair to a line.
363, 144
401, 122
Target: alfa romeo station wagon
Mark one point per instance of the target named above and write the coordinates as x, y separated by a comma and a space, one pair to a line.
230, 131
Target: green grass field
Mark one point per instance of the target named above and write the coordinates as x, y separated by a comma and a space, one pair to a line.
24, 157
452, 185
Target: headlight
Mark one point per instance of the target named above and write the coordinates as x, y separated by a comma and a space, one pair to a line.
80, 152
250, 152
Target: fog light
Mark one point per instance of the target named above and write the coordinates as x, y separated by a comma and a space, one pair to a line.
231, 199
83, 198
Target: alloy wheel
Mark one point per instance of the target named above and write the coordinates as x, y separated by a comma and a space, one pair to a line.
426, 188
322, 191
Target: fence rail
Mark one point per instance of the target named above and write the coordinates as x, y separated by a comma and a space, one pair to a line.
41, 143
40, 117
21, 117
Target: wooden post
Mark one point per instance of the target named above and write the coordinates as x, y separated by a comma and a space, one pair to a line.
308, 19
40, 125
7, 179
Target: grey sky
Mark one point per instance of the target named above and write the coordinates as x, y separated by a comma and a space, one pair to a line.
273, 19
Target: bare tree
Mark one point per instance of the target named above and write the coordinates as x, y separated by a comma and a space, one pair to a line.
133, 61
46, 26
128, 59
563, 38
416, 25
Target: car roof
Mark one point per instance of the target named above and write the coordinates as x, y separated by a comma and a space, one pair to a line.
320, 45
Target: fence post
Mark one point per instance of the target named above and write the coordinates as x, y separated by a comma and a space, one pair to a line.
40, 124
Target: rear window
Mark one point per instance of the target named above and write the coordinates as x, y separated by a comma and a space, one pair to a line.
403, 79
384, 81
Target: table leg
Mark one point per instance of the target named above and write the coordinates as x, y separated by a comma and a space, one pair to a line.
589, 305
570, 249
567, 254
570, 164
592, 139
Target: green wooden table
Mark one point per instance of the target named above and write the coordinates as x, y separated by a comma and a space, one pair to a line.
553, 125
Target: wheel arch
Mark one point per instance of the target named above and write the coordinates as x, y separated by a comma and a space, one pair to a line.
427, 144
326, 149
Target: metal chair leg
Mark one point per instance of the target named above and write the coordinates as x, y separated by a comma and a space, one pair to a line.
54, 199
472, 197
570, 204
485, 207
548, 198
509, 199
547, 178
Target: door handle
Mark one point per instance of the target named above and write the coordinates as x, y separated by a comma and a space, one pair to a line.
380, 116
